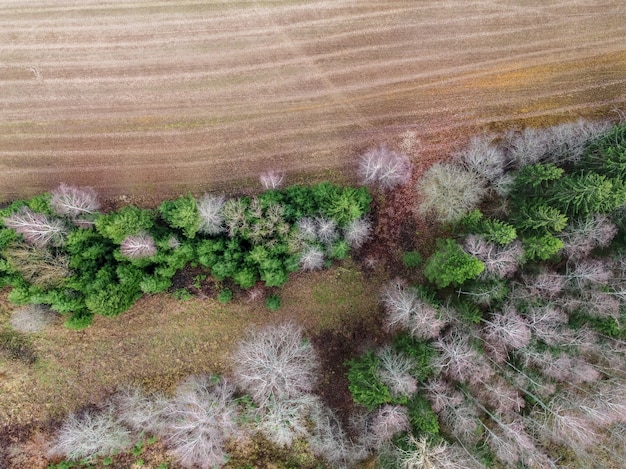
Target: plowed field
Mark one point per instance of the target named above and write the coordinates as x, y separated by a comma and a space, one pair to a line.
157, 97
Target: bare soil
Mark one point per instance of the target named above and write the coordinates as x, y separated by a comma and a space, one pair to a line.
152, 98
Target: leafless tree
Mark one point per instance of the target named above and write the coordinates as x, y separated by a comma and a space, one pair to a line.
546, 323
424, 454
384, 168
90, 434
587, 272
500, 261
449, 191
211, 215
507, 330
459, 360
272, 179
358, 232
307, 229
37, 229
312, 258
483, 157
275, 363
326, 229
139, 411
582, 236
387, 421
405, 310
395, 371
138, 246
284, 420
74, 202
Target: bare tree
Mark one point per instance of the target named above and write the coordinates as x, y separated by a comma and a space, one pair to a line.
272, 179
405, 310
387, 421
484, 157
587, 272
449, 191
460, 361
307, 229
584, 235
139, 411
211, 216
507, 330
200, 418
384, 168
275, 363
500, 261
284, 420
424, 454
37, 229
74, 202
395, 371
357, 232
326, 229
138, 246
312, 258
90, 434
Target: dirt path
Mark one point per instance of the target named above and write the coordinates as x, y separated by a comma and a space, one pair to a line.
157, 97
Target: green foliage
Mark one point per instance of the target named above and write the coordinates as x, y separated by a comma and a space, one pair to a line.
339, 250
421, 353
411, 259
450, 265
182, 213
541, 247
273, 302
79, 321
365, 385
422, 417
127, 221
585, 194
112, 301
492, 230
533, 177
607, 155
225, 296
154, 284
539, 218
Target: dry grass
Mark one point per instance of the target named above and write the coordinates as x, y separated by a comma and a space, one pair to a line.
160, 340
160, 97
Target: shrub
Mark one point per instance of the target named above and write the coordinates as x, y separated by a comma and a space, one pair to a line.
32, 318
365, 384
449, 192
411, 259
384, 168
275, 363
90, 434
225, 295
273, 302
127, 221
210, 212
182, 213
450, 265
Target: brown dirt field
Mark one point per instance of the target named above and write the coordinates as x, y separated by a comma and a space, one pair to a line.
156, 97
